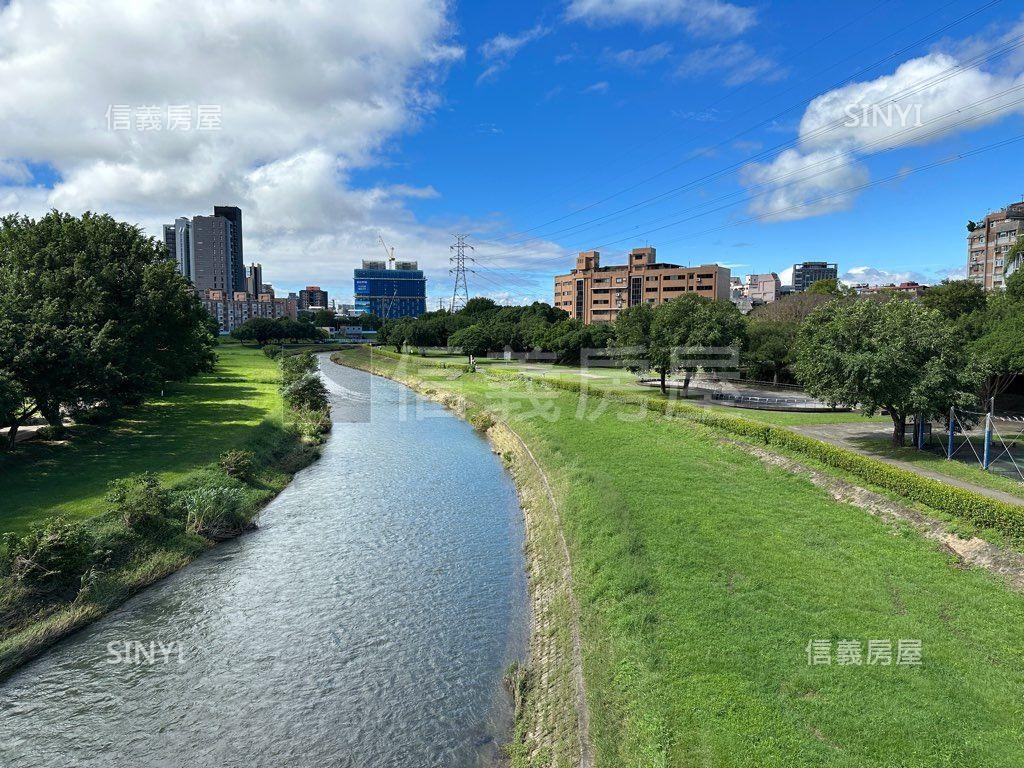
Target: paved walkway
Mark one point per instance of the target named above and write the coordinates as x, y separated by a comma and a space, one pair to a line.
848, 435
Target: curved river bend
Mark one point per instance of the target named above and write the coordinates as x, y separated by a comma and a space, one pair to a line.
366, 623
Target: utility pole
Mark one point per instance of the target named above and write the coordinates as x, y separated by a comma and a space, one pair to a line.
460, 293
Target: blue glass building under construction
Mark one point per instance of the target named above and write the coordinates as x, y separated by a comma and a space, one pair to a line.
390, 291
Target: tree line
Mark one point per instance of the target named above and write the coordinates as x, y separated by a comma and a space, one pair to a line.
93, 317
956, 346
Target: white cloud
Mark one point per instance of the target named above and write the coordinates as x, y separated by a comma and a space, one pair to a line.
14, 171
738, 63
601, 87
814, 176
308, 95
918, 103
502, 48
704, 17
879, 276
639, 59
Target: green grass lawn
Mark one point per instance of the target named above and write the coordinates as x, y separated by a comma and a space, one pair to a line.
174, 435
703, 575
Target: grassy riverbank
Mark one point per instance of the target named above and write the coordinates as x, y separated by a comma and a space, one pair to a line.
702, 575
170, 488
173, 436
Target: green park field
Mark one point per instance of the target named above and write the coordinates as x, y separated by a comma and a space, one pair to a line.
703, 575
174, 435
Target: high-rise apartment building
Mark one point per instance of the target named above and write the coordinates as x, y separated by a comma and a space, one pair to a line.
810, 272
237, 265
596, 294
988, 243
207, 250
400, 291
312, 296
213, 255
254, 279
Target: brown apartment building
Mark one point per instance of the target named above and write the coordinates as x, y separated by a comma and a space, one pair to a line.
989, 241
595, 294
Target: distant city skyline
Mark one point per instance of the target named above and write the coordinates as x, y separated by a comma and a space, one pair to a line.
542, 129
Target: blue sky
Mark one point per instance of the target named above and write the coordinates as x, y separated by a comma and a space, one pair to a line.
582, 111
715, 131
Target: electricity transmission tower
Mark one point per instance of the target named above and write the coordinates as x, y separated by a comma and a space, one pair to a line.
458, 259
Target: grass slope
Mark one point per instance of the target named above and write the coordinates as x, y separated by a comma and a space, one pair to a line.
173, 436
703, 575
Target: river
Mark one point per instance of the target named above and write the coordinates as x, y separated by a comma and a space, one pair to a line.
367, 622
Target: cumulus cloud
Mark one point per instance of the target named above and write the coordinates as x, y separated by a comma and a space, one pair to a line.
878, 276
702, 17
307, 95
918, 103
814, 176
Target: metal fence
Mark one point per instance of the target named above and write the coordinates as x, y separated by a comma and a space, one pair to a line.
992, 441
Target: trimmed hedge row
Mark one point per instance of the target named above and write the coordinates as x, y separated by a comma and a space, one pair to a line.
961, 503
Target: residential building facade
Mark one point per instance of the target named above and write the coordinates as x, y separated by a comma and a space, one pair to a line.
312, 296
237, 264
810, 272
400, 291
207, 250
233, 310
988, 244
596, 294
763, 288
254, 279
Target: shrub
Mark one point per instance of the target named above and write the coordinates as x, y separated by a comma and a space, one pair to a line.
272, 350
238, 464
296, 367
307, 393
52, 557
215, 512
142, 504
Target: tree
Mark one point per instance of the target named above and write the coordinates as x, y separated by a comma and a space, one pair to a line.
954, 298
898, 356
92, 313
770, 348
262, 330
999, 342
793, 307
473, 340
829, 287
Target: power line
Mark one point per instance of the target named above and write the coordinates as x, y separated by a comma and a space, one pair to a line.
831, 164
910, 90
769, 120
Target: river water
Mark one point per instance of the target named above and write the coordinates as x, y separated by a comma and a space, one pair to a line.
367, 622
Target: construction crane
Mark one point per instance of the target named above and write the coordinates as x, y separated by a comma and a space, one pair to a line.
389, 251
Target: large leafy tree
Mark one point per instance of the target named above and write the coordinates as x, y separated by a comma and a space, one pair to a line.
92, 313
770, 348
954, 299
999, 341
898, 356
